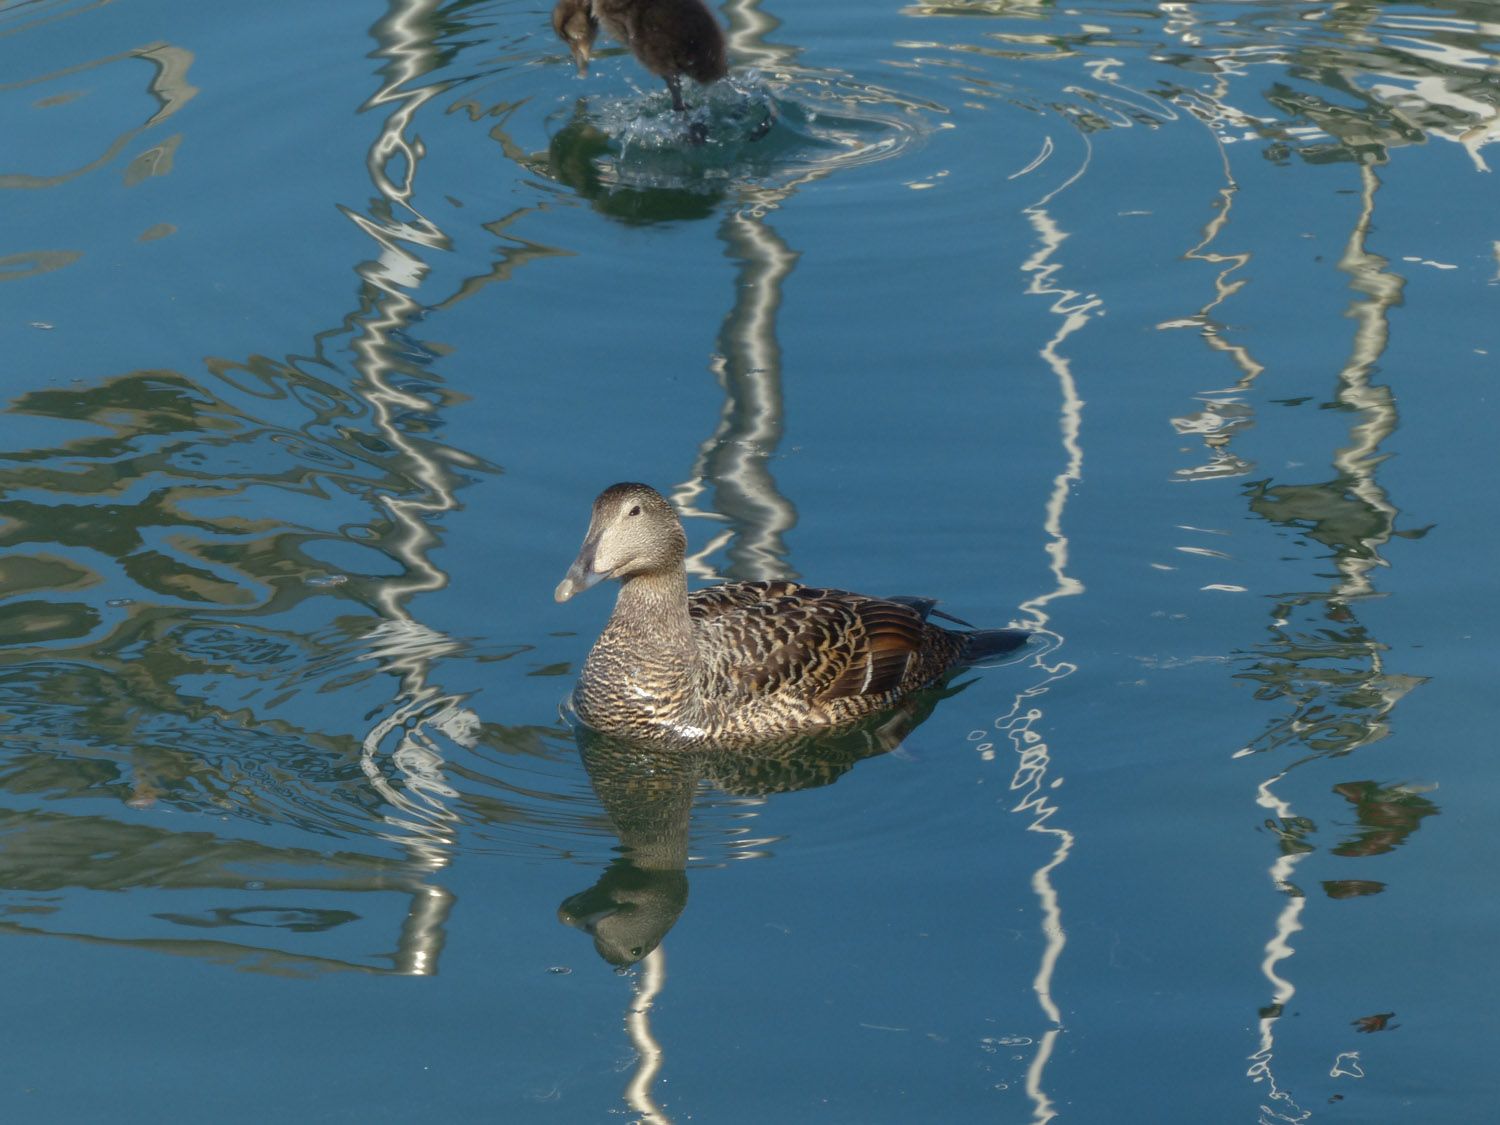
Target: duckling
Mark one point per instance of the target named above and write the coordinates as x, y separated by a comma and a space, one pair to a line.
669, 38
742, 663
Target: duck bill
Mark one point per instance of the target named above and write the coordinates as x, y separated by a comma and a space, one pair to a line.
588, 921
580, 57
581, 575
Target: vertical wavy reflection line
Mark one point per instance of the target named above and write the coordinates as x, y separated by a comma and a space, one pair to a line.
736, 458
1074, 310
1374, 405
1281, 1105
422, 823
1216, 426
1278, 1104
1033, 757
650, 981
1377, 292
1226, 285
1226, 414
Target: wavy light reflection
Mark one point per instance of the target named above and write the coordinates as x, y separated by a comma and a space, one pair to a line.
1353, 516
1033, 760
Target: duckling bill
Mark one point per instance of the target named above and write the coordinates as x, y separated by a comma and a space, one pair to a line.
669, 38
742, 663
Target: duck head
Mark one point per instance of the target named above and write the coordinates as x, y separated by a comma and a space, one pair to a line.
633, 531
574, 22
628, 911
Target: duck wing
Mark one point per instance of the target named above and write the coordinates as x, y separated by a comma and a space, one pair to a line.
767, 638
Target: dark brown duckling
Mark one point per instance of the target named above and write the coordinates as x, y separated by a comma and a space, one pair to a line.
669, 38
742, 663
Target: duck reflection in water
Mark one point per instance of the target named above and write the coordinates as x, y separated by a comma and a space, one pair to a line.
666, 194
647, 790
669, 38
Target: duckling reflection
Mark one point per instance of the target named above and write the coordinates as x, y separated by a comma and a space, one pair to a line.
669, 38
647, 790
573, 158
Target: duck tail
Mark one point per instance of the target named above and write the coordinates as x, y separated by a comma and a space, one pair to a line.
983, 645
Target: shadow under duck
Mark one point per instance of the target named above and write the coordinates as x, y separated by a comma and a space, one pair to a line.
669, 38
743, 663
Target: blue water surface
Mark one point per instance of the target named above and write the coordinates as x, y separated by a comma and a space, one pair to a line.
1167, 330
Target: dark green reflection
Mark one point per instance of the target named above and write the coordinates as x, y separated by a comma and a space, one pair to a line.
1320, 659
574, 158
1387, 815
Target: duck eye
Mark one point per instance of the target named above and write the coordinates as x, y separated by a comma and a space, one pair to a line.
636, 510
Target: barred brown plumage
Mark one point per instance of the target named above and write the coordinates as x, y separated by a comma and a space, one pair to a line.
743, 662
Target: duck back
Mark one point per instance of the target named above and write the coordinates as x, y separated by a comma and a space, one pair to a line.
669, 37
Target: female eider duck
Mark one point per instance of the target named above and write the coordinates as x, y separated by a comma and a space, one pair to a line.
669, 38
744, 662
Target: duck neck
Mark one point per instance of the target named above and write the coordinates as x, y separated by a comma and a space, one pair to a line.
653, 609
644, 660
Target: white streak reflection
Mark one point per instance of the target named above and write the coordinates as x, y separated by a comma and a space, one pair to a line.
735, 459
419, 818
649, 983
1075, 310
1219, 419
1031, 781
1374, 405
1282, 1106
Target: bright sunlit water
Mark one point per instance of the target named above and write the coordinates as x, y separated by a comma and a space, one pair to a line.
1170, 330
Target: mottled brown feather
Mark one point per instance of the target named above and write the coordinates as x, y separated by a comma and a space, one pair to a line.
668, 37
745, 661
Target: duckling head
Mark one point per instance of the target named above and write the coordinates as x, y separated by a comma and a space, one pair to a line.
574, 22
633, 531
